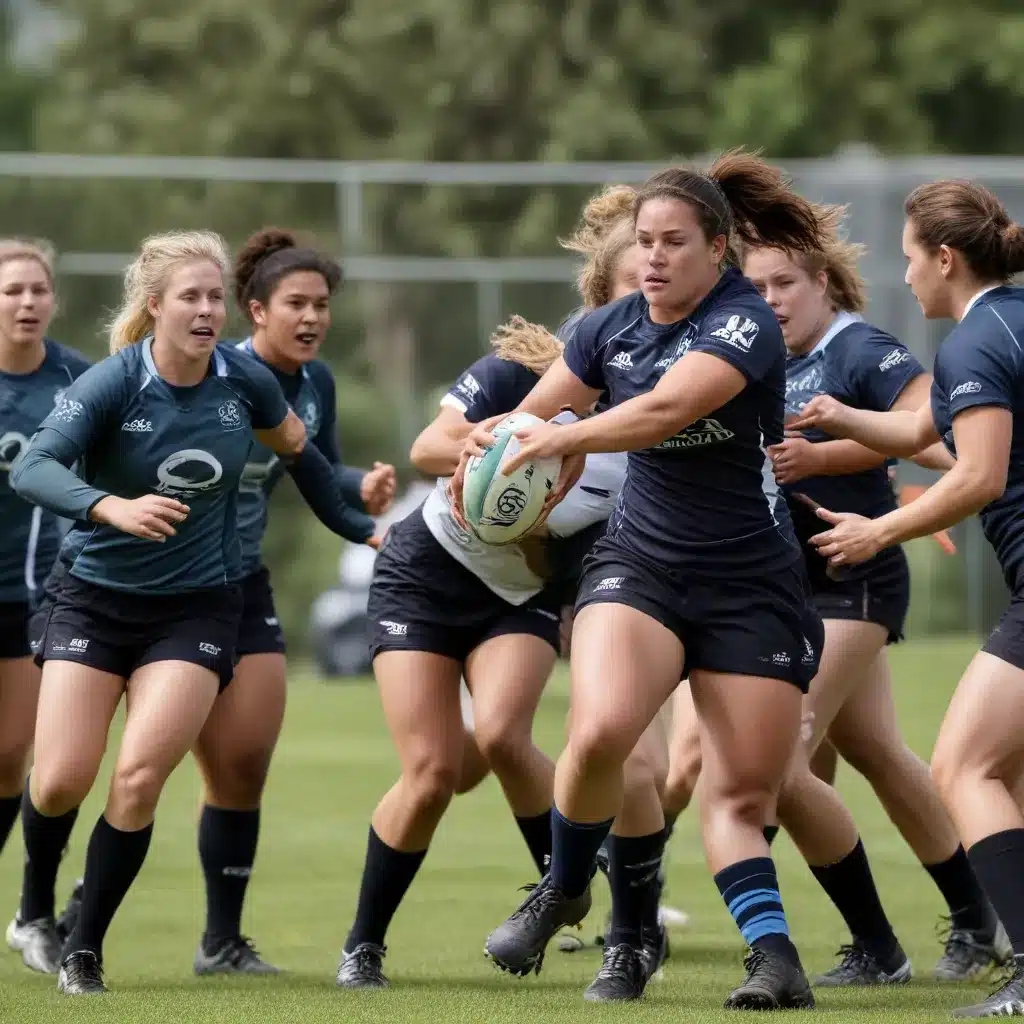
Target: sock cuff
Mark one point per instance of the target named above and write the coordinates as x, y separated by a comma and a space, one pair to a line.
631, 847
581, 825
742, 871
213, 811
139, 835
544, 816
375, 842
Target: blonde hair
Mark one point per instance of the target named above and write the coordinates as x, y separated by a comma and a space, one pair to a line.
604, 235
38, 249
528, 344
148, 275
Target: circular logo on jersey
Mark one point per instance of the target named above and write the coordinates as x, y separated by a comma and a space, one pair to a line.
309, 415
12, 444
229, 414
190, 471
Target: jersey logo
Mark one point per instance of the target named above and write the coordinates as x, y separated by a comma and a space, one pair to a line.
970, 387
230, 417
187, 472
704, 432
58, 395
894, 358
12, 444
394, 628
738, 331
622, 361
138, 427
469, 386
256, 474
67, 410
310, 414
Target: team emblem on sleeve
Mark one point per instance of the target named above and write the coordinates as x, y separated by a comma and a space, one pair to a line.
894, 358
67, 409
738, 331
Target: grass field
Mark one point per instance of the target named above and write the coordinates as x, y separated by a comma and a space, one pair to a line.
334, 761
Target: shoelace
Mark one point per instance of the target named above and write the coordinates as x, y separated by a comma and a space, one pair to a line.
853, 957
754, 961
82, 967
242, 951
540, 898
366, 959
618, 959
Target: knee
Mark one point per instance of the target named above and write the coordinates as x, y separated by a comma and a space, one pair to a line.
13, 767
599, 744
502, 746
743, 799
135, 790
947, 769
57, 790
640, 775
237, 782
682, 781
431, 782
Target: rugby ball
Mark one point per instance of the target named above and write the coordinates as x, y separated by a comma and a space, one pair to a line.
503, 509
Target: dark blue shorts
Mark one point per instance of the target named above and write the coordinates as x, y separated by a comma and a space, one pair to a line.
746, 626
259, 632
877, 592
422, 599
1006, 641
118, 631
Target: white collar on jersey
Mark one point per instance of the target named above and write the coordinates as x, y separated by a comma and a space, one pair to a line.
841, 322
977, 295
220, 367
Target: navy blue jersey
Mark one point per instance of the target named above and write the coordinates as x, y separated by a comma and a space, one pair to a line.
862, 367
137, 434
29, 536
705, 499
490, 386
980, 363
311, 394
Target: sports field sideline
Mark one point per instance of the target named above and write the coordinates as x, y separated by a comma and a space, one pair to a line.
334, 762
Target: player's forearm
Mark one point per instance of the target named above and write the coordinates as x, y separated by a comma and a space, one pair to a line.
840, 458
42, 476
322, 490
641, 422
962, 492
935, 456
896, 433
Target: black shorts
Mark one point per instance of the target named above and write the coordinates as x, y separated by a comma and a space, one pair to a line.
1006, 641
881, 595
117, 631
422, 599
747, 626
14, 629
259, 632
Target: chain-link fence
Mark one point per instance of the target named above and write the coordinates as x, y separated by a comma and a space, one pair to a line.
69, 197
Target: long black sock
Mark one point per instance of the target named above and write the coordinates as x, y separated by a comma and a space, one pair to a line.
227, 849
574, 847
45, 840
633, 864
537, 833
113, 860
387, 875
10, 806
770, 832
998, 862
969, 908
851, 888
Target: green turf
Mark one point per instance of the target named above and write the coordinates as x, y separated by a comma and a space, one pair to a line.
334, 762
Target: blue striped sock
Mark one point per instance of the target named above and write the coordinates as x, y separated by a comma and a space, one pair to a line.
751, 892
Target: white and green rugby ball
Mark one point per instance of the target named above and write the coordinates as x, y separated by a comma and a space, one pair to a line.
503, 509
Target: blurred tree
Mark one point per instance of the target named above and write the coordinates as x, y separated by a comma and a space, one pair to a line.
477, 80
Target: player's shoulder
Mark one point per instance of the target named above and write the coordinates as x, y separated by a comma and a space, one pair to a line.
606, 322
736, 312
997, 316
859, 341
320, 375
66, 359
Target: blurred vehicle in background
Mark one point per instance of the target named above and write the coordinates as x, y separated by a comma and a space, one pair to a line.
338, 626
